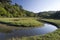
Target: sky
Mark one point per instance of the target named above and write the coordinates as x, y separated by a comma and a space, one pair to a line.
39, 5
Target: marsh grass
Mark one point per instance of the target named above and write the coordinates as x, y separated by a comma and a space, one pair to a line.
56, 21
18, 23
22, 22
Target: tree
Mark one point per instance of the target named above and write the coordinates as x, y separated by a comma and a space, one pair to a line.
5, 1
56, 15
4, 13
13, 10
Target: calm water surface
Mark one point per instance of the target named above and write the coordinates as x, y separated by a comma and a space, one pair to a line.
47, 28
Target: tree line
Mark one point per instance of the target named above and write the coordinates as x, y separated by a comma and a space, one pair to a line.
50, 14
7, 9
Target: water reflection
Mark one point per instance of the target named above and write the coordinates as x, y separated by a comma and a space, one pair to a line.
36, 31
29, 32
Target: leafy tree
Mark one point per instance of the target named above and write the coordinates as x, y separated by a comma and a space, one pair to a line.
13, 10
56, 15
46, 14
3, 12
5, 1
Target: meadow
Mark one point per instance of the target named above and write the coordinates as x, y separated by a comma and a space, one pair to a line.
8, 24
22, 22
50, 36
56, 21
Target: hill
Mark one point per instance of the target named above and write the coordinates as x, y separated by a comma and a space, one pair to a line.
7, 9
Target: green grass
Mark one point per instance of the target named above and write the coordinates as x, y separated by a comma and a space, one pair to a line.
54, 21
22, 23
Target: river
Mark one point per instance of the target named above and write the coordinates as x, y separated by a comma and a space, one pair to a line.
47, 28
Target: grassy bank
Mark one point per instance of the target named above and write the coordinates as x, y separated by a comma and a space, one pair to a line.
8, 24
50, 36
54, 21
22, 22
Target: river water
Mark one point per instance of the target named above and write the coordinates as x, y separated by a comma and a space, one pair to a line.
47, 28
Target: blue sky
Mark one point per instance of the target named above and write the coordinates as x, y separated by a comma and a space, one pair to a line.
39, 5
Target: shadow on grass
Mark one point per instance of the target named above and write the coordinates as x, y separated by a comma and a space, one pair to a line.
9, 24
49, 23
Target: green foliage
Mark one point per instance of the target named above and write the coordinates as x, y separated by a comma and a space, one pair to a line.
56, 15
3, 12
45, 14
13, 10
50, 14
4, 1
23, 22
54, 21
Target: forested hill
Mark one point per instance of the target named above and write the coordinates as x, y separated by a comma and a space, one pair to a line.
7, 9
49, 14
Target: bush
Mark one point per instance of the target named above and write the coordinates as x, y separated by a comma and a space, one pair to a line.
4, 13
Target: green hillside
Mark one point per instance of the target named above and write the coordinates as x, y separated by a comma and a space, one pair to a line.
13, 10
